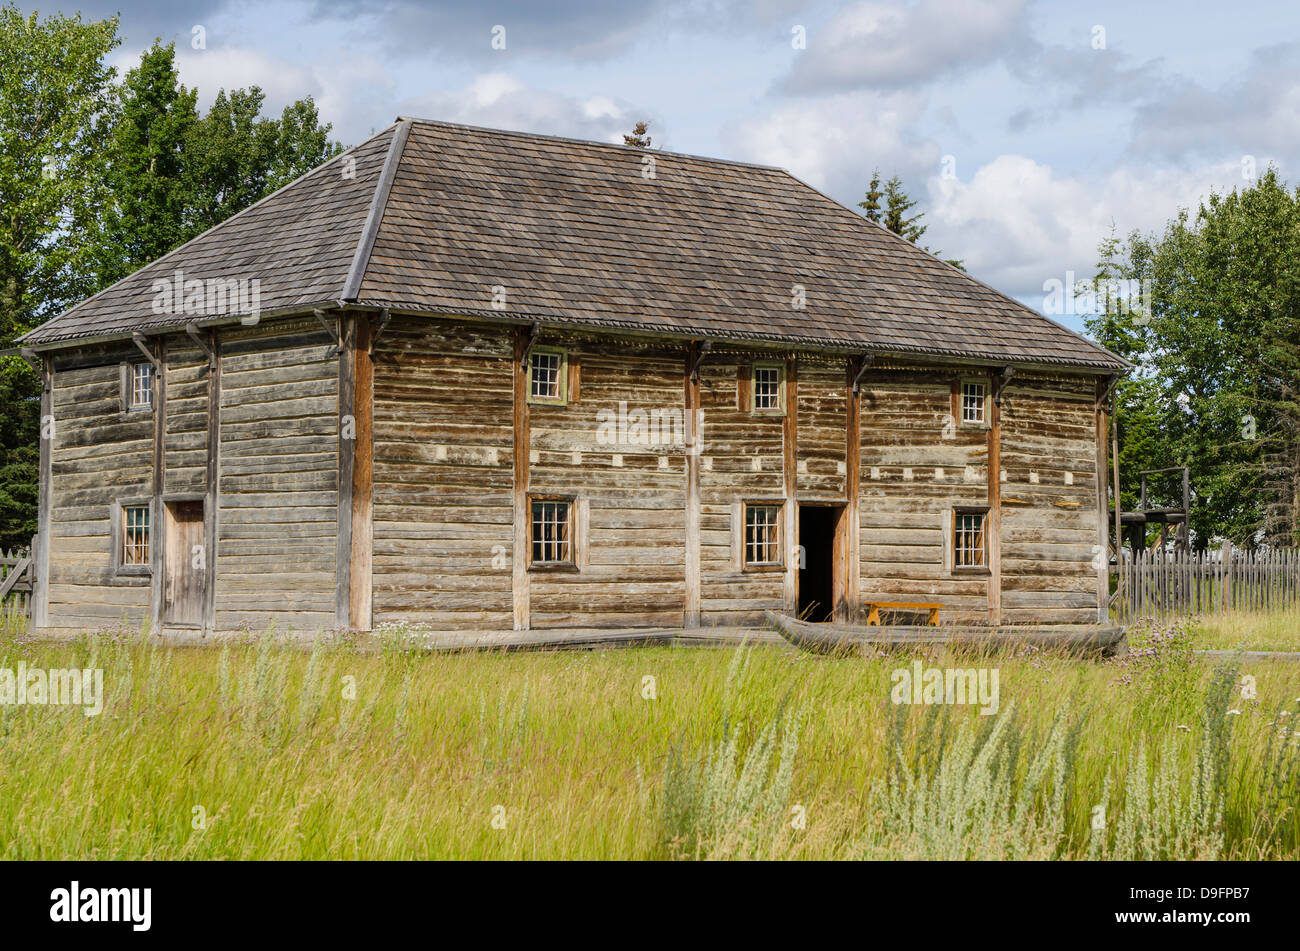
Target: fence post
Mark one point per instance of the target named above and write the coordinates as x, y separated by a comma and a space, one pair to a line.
1226, 557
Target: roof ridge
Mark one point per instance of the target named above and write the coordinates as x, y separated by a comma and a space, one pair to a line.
220, 224
375, 215
711, 159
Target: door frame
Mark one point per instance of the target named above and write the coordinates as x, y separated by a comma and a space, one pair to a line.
170, 559
841, 609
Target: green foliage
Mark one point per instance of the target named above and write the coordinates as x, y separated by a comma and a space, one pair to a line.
98, 178
728, 802
1217, 385
147, 167
870, 205
57, 107
893, 212
340, 752
976, 792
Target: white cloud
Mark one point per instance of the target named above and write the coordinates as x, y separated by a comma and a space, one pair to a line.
833, 143
352, 90
887, 44
500, 100
1016, 223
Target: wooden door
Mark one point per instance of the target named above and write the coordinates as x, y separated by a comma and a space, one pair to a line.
185, 564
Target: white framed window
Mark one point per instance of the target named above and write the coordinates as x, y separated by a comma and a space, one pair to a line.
769, 387
552, 532
546, 375
973, 397
135, 535
969, 542
762, 534
141, 386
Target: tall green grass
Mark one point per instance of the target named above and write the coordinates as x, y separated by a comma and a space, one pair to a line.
260, 749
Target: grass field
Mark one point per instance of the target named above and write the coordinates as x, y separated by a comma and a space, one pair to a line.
266, 751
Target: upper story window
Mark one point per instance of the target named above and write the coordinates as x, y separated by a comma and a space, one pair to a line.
973, 394
546, 375
769, 384
141, 385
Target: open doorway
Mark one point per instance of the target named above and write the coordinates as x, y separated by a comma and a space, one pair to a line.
821, 584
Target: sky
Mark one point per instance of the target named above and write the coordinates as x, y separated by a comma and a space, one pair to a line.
1027, 129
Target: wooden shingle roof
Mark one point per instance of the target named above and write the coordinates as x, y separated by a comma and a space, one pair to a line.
432, 217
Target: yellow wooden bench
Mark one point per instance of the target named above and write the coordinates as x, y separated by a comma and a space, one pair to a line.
873, 610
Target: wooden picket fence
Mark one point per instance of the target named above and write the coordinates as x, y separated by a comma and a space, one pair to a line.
16, 581
1167, 584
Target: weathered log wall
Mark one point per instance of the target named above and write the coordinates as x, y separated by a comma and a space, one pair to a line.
100, 455
741, 459
917, 463
442, 475
278, 517
1049, 501
619, 452
443, 456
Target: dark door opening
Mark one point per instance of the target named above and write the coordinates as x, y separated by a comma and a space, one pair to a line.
183, 555
818, 551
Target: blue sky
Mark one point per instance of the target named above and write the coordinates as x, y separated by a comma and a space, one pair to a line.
1054, 119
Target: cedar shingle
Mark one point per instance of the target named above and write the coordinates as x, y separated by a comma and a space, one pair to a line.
578, 235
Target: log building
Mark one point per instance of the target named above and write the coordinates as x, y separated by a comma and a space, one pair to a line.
493, 381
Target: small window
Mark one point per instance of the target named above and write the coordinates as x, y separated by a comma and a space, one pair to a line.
135, 535
968, 544
141, 386
546, 373
768, 380
972, 402
552, 521
762, 534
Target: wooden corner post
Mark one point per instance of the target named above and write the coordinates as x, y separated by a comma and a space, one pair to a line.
212, 502
993, 527
41, 594
852, 490
347, 465
790, 470
363, 410
158, 512
522, 443
1103, 490
692, 609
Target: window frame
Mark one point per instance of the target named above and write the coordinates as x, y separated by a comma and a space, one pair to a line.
780, 408
118, 536
958, 512
985, 394
562, 375
131, 390
571, 504
777, 525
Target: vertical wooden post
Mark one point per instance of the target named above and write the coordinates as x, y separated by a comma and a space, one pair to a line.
1226, 593
790, 470
522, 441
1103, 528
41, 576
347, 445
211, 504
158, 514
363, 409
691, 613
1114, 467
852, 490
994, 525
